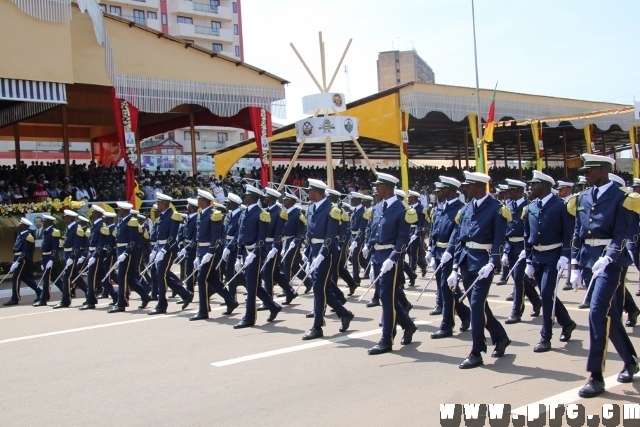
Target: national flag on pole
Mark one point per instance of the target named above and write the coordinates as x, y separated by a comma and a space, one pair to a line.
488, 129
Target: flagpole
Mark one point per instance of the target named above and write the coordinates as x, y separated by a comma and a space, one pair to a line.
480, 167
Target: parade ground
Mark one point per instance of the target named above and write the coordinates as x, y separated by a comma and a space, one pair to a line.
71, 367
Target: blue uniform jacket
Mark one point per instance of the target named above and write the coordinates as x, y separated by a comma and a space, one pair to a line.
422, 220
127, 235
231, 228
389, 228
444, 227
50, 242
167, 226
355, 224
433, 235
24, 245
549, 226
515, 227
274, 231
189, 233
98, 237
344, 232
322, 226
252, 230
73, 241
294, 227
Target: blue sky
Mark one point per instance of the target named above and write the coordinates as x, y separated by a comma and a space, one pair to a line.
582, 49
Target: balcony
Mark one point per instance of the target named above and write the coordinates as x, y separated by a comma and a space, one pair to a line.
137, 4
192, 32
193, 8
137, 19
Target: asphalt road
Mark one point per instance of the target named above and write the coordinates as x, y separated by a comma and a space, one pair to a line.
67, 367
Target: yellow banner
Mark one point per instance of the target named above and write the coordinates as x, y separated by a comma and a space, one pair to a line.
633, 138
537, 142
588, 136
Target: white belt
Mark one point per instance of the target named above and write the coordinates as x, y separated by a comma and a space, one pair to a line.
70, 249
204, 244
250, 246
154, 243
442, 245
92, 248
317, 241
474, 245
119, 245
543, 248
187, 240
354, 232
162, 242
516, 239
597, 242
414, 226
17, 253
46, 253
287, 237
269, 239
229, 237
378, 247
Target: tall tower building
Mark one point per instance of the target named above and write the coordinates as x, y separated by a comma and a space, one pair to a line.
397, 67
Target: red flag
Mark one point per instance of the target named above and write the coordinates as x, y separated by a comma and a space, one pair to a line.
491, 117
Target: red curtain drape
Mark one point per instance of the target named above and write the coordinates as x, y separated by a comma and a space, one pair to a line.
261, 127
120, 109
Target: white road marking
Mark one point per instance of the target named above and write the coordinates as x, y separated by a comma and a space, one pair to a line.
313, 344
38, 312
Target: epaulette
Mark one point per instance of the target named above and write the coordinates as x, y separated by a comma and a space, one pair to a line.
524, 212
283, 214
79, 231
345, 216
302, 218
632, 202
140, 230
176, 216
216, 215
410, 214
425, 212
56, 233
145, 235
30, 238
368, 214
459, 214
87, 232
133, 222
104, 230
336, 213
505, 212
572, 205
265, 216
113, 233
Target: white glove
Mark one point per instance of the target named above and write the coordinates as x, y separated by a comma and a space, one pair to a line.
365, 251
600, 265
70, 262
49, 264
505, 260
13, 266
41, 267
225, 254
386, 266
121, 258
238, 265
291, 246
413, 238
196, 263
352, 247
522, 255
432, 263
316, 262
81, 260
428, 256
160, 256
206, 258
563, 264
152, 256
576, 278
308, 270
182, 253
249, 259
529, 270
272, 253
92, 261
485, 271
446, 257
452, 280
372, 274
304, 259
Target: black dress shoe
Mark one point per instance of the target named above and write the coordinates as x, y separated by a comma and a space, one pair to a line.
10, 302
346, 321
441, 333
408, 335
145, 302
112, 303
583, 306
36, 300
187, 301
352, 289
281, 294
243, 324
566, 331
262, 307
412, 281
501, 282
72, 294
436, 311
592, 389
61, 305
290, 298
230, 308
157, 311
627, 373
567, 287
39, 303
373, 303
512, 319
510, 297
465, 326
312, 334
501, 346
88, 307
472, 361
198, 316
424, 271
542, 346
632, 318
310, 315
536, 310
308, 288
116, 309
274, 314
408, 307
380, 348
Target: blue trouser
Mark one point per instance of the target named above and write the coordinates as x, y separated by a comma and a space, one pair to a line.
209, 282
628, 304
23, 273
343, 272
521, 285
107, 287
94, 276
546, 276
481, 315
228, 267
271, 273
255, 289
324, 292
128, 280
187, 267
333, 282
48, 276
143, 279
70, 272
605, 320
357, 262
291, 265
415, 260
392, 310
168, 280
450, 299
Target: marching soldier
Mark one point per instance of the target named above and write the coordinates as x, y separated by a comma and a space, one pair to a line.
50, 248
565, 192
78, 281
503, 198
22, 267
250, 237
429, 258
338, 268
127, 241
603, 220
109, 257
633, 245
153, 245
72, 245
98, 237
230, 253
417, 230
292, 236
480, 234
322, 231
188, 240
358, 227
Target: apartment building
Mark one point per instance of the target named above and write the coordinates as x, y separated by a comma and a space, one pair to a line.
397, 67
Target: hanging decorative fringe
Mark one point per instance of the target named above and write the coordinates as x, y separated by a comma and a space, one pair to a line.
58, 11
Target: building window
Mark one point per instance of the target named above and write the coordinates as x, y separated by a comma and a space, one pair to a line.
398, 81
214, 3
115, 10
164, 19
238, 51
185, 20
235, 29
217, 47
103, 7
223, 137
138, 17
152, 15
235, 7
187, 135
215, 26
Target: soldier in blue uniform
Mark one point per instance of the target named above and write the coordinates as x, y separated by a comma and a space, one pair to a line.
230, 253
251, 237
429, 258
514, 254
390, 234
50, 248
188, 242
153, 244
322, 251
22, 267
109, 257
479, 236
127, 240
357, 227
603, 219
338, 268
166, 252
565, 192
418, 230
443, 254
72, 245
97, 241
78, 281
293, 235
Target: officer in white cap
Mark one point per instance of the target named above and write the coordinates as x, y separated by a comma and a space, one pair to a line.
22, 267
188, 243
50, 248
293, 234
230, 253
338, 268
416, 247
357, 229
72, 246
